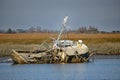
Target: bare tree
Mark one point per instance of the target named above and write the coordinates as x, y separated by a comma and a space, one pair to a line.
31, 29
38, 29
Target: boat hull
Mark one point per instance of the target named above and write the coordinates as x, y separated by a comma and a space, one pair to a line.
48, 57
17, 58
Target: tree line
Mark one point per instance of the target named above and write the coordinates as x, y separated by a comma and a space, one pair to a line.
29, 30
90, 29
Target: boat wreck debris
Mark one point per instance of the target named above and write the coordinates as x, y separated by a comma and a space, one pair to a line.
58, 51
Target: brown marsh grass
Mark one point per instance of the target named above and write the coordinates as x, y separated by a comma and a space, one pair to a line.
36, 38
101, 43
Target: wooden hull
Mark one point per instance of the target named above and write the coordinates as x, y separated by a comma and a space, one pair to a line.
25, 57
17, 58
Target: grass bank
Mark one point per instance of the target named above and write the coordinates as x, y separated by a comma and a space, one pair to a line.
101, 43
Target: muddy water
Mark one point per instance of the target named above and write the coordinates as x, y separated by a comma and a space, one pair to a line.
99, 69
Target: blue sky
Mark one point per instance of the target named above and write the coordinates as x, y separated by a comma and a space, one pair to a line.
48, 14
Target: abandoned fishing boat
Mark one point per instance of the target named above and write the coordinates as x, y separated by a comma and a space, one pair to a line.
58, 51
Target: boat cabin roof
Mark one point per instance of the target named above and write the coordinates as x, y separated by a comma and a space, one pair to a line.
64, 43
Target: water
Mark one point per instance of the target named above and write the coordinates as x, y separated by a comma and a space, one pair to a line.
99, 69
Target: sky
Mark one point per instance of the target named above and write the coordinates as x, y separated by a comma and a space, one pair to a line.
49, 14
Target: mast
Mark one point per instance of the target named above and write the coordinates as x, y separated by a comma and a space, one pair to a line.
63, 27
61, 31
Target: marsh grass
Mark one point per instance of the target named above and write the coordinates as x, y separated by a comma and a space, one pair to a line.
5, 49
105, 48
101, 43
